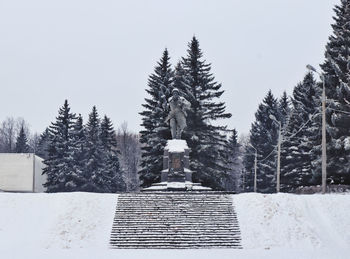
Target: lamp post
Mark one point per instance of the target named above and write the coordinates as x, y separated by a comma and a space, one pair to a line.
278, 153
324, 143
255, 166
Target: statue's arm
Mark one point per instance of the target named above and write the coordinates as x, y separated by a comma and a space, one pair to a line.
165, 104
187, 104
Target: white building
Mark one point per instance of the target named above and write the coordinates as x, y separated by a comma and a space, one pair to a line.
21, 173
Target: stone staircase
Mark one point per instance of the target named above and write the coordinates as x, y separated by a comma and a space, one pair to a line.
175, 220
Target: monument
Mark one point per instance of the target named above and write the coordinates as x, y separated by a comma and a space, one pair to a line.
176, 175
178, 106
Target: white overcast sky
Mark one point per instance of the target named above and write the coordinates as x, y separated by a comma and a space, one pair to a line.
102, 52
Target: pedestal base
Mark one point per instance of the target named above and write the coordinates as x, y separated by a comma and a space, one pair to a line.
176, 175
164, 176
177, 186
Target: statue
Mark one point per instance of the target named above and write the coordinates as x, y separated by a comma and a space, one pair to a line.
177, 115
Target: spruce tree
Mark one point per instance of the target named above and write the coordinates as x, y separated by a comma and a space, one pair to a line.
181, 81
59, 163
284, 109
264, 136
301, 136
42, 147
156, 131
93, 173
111, 169
78, 154
337, 75
22, 142
206, 140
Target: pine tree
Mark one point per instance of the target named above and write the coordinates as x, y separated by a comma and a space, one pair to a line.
234, 159
78, 154
60, 164
42, 147
95, 182
337, 75
181, 81
156, 131
263, 136
284, 109
111, 169
301, 136
206, 141
22, 142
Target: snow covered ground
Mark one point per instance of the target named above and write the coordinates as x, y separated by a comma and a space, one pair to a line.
294, 221
64, 220
272, 226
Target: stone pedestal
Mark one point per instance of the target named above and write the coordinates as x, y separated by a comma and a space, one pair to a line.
176, 175
176, 162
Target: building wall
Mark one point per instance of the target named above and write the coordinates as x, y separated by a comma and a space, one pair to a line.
39, 178
16, 172
21, 173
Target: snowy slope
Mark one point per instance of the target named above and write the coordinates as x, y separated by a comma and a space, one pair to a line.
64, 220
294, 221
272, 226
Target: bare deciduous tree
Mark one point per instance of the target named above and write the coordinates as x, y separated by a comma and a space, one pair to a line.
9, 130
8, 135
33, 142
130, 154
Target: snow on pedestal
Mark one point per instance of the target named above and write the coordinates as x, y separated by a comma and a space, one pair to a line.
176, 175
176, 146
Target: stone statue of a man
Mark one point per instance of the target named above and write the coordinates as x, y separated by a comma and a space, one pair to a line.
177, 115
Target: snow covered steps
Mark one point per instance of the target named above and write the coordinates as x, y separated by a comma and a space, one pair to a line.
175, 220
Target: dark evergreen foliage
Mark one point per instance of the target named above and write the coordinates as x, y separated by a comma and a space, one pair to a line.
59, 164
301, 137
207, 141
337, 75
93, 172
112, 173
284, 109
78, 154
43, 144
181, 81
156, 131
81, 158
263, 136
22, 142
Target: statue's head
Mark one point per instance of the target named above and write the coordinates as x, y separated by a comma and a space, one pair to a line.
175, 93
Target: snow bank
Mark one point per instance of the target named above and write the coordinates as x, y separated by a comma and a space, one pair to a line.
294, 221
63, 220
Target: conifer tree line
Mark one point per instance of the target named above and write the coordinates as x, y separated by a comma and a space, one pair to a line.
208, 142
79, 157
300, 117
336, 68
84, 157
